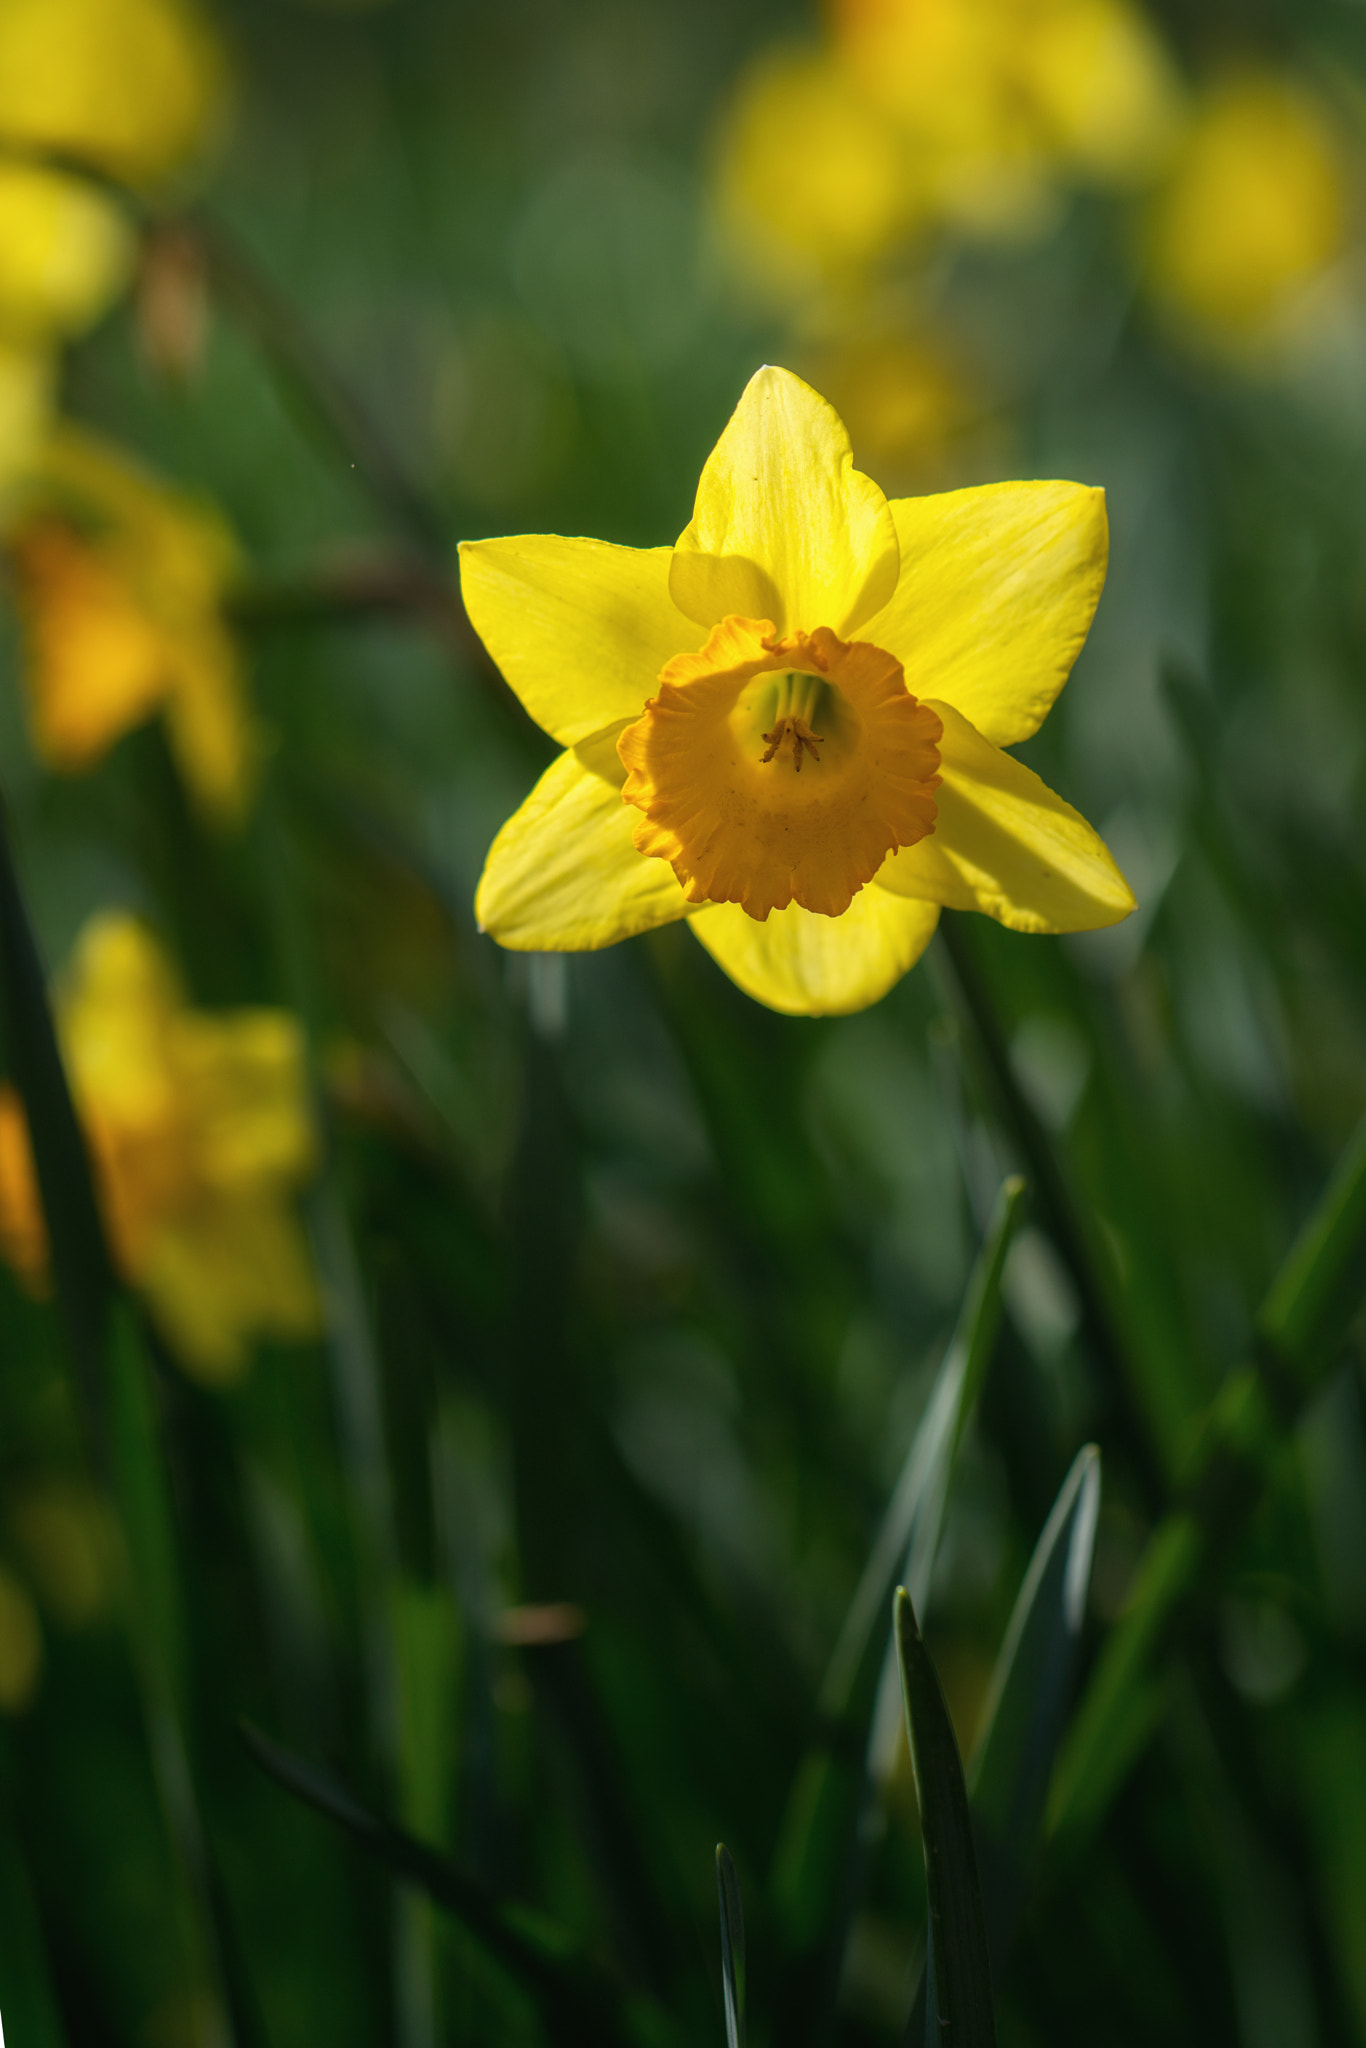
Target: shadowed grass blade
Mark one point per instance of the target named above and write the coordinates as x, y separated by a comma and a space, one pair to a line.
578, 2002
1320, 1282
814, 1841
732, 1946
26, 1993
959, 2010
1026, 1710
80, 1256
924, 1475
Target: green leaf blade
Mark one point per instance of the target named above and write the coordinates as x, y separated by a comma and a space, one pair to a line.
1026, 1708
960, 2013
732, 1946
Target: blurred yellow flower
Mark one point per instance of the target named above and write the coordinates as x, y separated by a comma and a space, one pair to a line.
120, 584
903, 397
131, 86
200, 1132
67, 1542
966, 113
21, 1646
1255, 209
65, 253
741, 745
810, 179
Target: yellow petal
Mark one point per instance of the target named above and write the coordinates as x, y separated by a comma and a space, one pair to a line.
209, 724
812, 966
784, 527
997, 589
232, 1271
1005, 844
23, 1227
563, 875
96, 664
580, 628
66, 252
243, 1078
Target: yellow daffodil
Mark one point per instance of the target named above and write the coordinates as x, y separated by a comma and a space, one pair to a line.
120, 583
199, 1130
789, 728
1254, 211
131, 86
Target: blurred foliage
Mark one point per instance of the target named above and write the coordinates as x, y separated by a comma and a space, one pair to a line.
530, 1571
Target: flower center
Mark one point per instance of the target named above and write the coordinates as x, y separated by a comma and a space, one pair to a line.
715, 766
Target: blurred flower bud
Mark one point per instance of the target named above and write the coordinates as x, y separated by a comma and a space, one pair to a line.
173, 303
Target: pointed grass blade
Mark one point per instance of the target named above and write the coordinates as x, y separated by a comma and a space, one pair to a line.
923, 1475
1026, 1709
578, 2002
732, 1946
26, 1990
815, 1838
1027, 1705
1320, 1280
80, 1256
959, 2009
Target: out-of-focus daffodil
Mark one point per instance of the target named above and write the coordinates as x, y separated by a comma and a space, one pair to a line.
986, 89
120, 583
1254, 211
966, 113
68, 1545
200, 1134
65, 253
904, 399
21, 1646
131, 86
789, 727
811, 181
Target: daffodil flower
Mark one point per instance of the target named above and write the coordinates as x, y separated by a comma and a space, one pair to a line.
789, 728
120, 583
200, 1134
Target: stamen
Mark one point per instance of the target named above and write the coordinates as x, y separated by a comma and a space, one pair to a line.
802, 737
